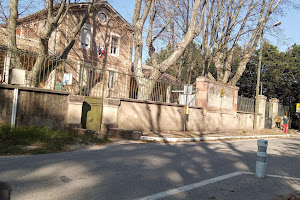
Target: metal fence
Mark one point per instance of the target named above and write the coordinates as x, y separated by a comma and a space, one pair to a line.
82, 78
282, 110
245, 104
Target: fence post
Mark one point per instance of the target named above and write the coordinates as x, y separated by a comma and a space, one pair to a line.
14, 108
202, 92
273, 110
261, 111
74, 111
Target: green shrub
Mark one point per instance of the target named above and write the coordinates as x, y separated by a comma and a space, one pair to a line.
44, 139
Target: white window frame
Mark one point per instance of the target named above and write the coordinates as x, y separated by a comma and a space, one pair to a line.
118, 45
89, 28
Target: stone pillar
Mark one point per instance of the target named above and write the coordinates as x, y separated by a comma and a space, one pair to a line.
75, 111
235, 99
261, 111
273, 110
110, 113
168, 94
201, 92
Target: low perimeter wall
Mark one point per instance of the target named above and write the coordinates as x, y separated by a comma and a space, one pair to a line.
39, 107
35, 107
153, 116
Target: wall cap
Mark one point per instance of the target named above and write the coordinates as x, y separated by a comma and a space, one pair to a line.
76, 98
205, 79
156, 103
274, 100
262, 97
33, 89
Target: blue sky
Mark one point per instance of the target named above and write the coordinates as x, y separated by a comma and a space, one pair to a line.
290, 23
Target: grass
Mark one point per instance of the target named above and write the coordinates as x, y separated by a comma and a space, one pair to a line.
34, 140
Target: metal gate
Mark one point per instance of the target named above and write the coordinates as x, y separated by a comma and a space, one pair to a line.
92, 113
268, 118
91, 86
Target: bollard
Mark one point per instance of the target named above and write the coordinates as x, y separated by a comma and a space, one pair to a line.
5, 190
261, 163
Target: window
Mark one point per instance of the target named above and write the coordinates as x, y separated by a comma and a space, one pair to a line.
114, 45
111, 79
102, 17
86, 36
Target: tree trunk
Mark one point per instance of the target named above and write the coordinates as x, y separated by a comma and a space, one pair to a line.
11, 33
193, 64
240, 70
145, 88
39, 63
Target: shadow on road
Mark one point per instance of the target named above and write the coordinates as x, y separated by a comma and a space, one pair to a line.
138, 170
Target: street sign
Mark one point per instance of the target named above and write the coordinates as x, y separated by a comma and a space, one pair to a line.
187, 99
298, 108
188, 89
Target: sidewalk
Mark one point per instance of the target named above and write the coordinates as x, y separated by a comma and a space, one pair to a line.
212, 136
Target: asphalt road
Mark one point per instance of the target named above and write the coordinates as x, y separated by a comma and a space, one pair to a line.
136, 171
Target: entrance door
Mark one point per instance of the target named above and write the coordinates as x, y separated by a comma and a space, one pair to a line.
92, 113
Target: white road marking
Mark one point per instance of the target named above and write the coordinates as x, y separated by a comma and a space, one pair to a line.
206, 182
285, 177
191, 186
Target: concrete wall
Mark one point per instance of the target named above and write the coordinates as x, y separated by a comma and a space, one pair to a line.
36, 107
153, 116
215, 95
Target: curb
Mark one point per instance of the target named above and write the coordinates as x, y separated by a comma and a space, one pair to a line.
199, 139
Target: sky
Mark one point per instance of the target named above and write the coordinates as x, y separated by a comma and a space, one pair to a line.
289, 28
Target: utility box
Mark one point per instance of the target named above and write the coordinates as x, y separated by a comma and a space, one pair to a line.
18, 77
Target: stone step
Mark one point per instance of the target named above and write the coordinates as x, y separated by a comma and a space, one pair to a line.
125, 134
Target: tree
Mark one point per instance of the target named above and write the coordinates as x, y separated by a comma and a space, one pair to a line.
139, 19
280, 75
226, 27
55, 15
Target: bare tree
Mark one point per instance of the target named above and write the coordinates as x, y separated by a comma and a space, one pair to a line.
55, 15
139, 18
229, 22
227, 26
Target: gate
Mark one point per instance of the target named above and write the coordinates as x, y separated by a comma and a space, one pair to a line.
268, 119
91, 86
91, 113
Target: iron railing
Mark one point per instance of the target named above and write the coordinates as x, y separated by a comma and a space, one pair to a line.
81, 78
245, 104
267, 111
282, 110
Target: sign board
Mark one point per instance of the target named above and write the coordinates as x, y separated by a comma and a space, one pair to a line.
298, 108
222, 93
190, 99
188, 89
18, 77
68, 77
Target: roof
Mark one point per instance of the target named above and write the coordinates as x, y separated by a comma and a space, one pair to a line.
80, 5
